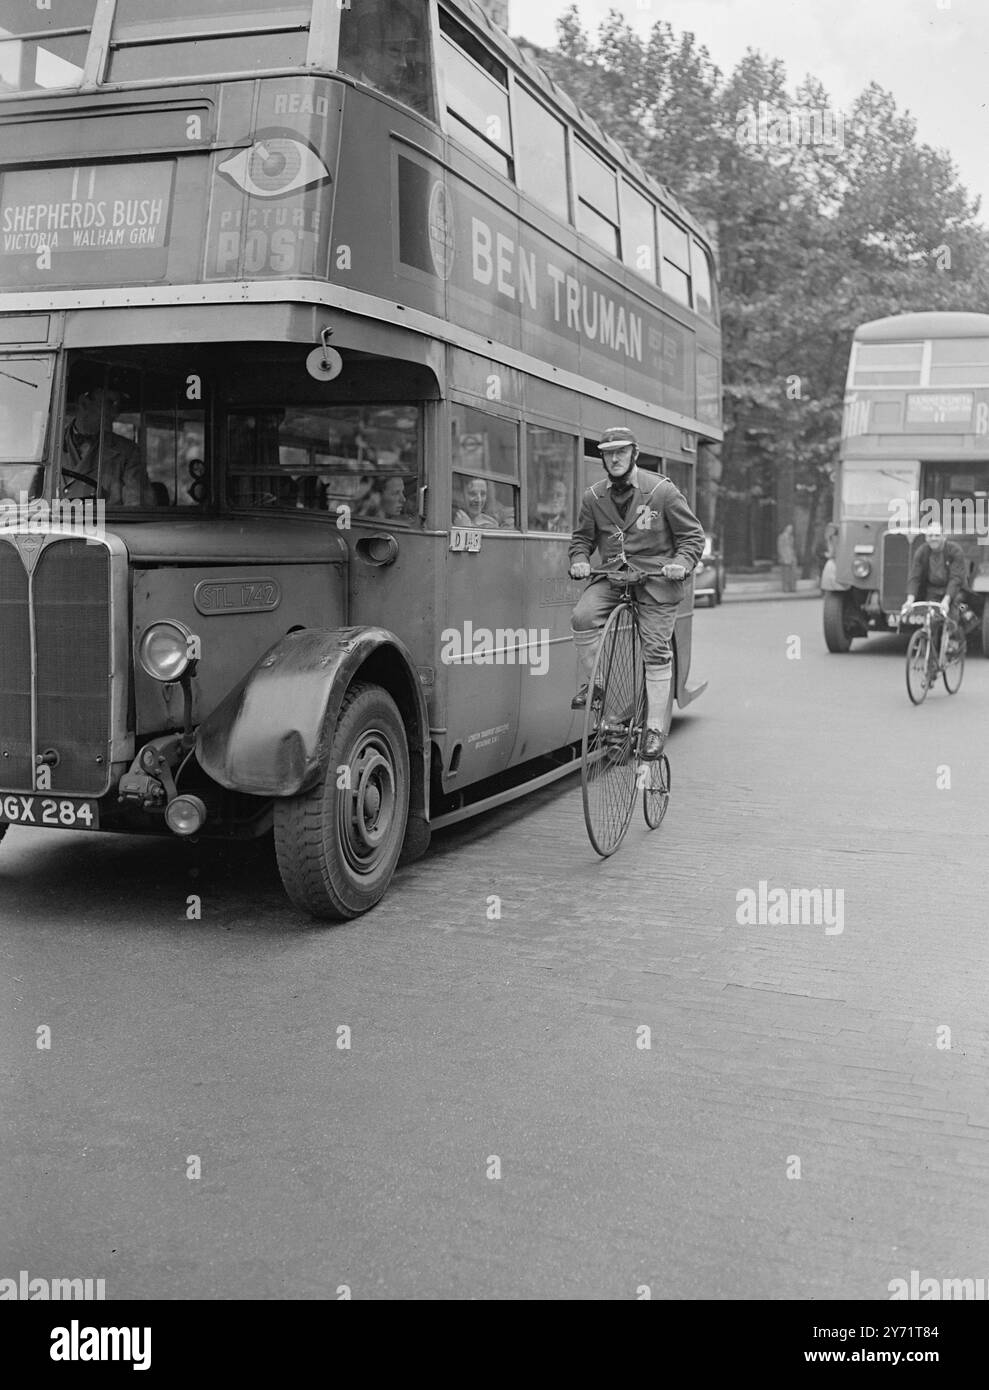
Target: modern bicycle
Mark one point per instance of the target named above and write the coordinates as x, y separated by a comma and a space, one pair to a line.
613, 770
935, 649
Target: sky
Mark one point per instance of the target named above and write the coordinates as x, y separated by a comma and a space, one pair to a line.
933, 55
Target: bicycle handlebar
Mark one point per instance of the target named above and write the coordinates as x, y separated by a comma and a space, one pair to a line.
626, 573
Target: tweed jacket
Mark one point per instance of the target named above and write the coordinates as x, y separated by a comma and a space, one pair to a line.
658, 529
124, 479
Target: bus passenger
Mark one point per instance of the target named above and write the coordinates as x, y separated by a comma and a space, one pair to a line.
557, 509
390, 503
123, 477
650, 522
473, 512
393, 503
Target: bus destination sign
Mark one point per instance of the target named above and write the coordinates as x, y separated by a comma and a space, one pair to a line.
940, 408
59, 226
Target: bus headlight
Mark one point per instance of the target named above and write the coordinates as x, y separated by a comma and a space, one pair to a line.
861, 567
185, 815
166, 650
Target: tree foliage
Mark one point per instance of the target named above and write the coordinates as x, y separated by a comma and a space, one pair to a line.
815, 235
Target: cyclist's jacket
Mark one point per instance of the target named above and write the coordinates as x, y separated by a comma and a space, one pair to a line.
934, 576
657, 528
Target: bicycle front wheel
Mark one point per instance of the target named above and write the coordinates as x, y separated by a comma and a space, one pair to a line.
954, 663
919, 666
612, 727
656, 794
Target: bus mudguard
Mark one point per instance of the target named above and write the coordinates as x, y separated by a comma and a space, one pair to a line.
830, 583
268, 737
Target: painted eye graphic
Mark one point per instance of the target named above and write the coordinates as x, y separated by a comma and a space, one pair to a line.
273, 166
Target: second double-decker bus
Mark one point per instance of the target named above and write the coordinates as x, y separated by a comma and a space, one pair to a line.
320, 310
914, 449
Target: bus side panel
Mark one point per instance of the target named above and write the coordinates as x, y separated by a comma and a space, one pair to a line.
232, 640
484, 601
402, 597
546, 720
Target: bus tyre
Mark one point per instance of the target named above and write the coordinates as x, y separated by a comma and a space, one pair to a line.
337, 845
835, 632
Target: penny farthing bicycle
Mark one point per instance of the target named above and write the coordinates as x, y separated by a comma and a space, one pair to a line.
613, 771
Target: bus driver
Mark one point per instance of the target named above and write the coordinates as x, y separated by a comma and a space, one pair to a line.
651, 520
123, 478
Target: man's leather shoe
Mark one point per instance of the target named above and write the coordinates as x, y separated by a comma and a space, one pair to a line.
580, 699
652, 747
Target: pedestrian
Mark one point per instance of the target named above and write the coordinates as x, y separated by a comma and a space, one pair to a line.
786, 552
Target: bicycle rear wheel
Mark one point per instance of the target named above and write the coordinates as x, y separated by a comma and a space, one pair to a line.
612, 728
919, 666
656, 793
954, 662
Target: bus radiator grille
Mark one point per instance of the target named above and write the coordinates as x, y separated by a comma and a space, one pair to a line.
16, 758
73, 654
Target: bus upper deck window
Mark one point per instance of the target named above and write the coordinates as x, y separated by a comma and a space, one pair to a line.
385, 43
183, 38
44, 49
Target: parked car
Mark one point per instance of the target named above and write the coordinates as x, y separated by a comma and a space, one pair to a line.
709, 576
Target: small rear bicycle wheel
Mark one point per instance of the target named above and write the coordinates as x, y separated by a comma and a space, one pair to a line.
656, 791
919, 666
612, 728
954, 662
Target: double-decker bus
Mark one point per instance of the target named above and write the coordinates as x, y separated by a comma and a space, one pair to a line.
321, 310
914, 449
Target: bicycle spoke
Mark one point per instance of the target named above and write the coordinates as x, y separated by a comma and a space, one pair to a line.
656, 794
919, 658
611, 735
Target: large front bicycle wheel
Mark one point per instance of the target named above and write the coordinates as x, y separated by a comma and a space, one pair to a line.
954, 662
612, 728
919, 666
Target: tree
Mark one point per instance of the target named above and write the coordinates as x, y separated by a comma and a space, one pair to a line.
823, 221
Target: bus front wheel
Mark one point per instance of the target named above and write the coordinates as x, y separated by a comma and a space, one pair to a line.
337, 845
836, 634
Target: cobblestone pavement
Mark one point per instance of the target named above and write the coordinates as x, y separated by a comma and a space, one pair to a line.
774, 1049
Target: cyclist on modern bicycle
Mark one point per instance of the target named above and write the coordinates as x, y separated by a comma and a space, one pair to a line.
938, 575
647, 519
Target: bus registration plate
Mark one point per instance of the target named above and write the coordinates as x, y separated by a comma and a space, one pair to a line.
68, 813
